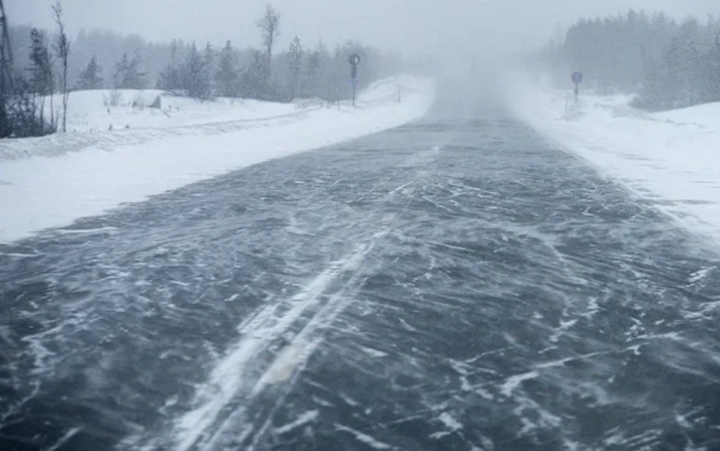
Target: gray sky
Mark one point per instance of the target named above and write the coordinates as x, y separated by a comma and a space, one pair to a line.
407, 25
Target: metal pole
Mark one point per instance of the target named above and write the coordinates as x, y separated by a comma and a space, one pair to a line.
354, 83
577, 93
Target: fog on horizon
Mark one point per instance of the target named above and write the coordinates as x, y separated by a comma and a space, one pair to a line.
418, 27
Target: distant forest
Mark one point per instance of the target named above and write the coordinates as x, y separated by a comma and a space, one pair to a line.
101, 59
324, 72
668, 64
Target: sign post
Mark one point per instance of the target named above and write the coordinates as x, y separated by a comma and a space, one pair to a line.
577, 78
354, 62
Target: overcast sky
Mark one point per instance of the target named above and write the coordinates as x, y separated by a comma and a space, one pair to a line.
408, 25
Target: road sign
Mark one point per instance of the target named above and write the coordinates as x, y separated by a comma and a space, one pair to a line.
577, 78
354, 59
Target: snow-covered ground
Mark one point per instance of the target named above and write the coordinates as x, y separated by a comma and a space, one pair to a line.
93, 111
670, 158
51, 181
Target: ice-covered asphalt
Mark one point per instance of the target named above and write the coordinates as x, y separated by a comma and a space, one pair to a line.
455, 284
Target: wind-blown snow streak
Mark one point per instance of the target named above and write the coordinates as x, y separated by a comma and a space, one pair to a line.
235, 375
110, 169
670, 159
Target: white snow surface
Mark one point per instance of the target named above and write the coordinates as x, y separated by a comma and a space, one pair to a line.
91, 111
670, 158
52, 181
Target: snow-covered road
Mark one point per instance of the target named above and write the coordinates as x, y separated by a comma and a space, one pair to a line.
670, 158
456, 283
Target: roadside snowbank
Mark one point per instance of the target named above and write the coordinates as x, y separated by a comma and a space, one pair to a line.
670, 158
92, 172
103, 110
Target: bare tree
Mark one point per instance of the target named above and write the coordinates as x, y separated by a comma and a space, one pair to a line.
269, 26
62, 49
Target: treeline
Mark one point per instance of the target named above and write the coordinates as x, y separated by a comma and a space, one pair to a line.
105, 60
668, 64
204, 72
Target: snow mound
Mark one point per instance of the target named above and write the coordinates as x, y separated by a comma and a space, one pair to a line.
669, 158
90, 173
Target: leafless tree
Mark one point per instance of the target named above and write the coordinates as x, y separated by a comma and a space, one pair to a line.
62, 49
269, 26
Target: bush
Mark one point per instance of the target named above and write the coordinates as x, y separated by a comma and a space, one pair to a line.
22, 116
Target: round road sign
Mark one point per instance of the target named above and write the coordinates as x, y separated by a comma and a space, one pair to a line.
354, 59
577, 78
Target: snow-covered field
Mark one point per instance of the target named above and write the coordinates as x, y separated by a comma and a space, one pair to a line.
51, 181
93, 111
672, 158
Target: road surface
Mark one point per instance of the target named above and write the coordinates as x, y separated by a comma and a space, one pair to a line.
455, 284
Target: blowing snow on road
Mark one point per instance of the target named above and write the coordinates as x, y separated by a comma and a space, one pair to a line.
457, 283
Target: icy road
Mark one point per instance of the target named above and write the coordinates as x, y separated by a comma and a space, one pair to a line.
454, 284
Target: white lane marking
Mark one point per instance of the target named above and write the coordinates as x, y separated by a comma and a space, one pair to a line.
228, 378
19, 255
373, 352
307, 417
407, 326
366, 439
68, 435
231, 376
351, 402
85, 231
307, 340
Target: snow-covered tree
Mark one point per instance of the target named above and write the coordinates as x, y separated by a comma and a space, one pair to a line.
315, 71
128, 74
254, 83
269, 25
227, 76
169, 79
713, 71
62, 50
209, 69
194, 80
90, 77
41, 74
295, 65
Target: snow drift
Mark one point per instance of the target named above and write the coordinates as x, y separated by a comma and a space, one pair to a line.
51, 181
672, 158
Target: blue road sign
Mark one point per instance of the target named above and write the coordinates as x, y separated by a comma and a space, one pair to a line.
577, 78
